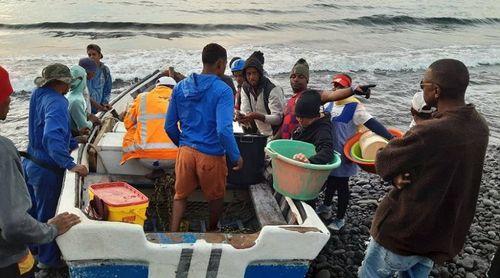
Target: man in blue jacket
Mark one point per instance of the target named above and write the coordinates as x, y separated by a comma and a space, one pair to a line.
17, 227
203, 105
49, 148
100, 85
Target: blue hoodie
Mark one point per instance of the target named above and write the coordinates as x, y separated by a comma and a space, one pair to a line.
49, 133
203, 104
100, 85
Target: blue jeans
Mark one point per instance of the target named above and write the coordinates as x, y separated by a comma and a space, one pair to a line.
380, 262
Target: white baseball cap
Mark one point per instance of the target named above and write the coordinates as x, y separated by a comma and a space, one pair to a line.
166, 80
418, 103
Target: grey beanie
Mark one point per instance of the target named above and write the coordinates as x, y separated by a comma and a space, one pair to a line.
301, 67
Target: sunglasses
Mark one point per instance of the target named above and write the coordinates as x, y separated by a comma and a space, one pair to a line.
423, 84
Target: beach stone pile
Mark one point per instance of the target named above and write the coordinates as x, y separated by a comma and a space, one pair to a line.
344, 252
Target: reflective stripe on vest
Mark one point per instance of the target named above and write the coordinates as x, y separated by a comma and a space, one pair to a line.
150, 146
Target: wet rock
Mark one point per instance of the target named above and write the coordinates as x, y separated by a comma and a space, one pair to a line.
356, 189
368, 202
470, 275
468, 263
469, 250
321, 258
367, 187
337, 269
324, 273
323, 265
339, 252
488, 202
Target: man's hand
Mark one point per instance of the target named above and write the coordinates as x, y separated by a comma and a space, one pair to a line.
364, 90
253, 116
401, 180
238, 116
239, 164
94, 119
301, 157
80, 169
64, 222
82, 139
106, 107
84, 131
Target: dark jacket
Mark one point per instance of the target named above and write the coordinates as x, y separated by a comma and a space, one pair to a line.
431, 216
268, 100
319, 133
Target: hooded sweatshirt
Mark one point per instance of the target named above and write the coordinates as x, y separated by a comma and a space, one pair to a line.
77, 103
17, 227
319, 133
203, 105
254, 101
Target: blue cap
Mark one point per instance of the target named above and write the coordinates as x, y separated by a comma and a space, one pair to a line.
238, 65
88, 64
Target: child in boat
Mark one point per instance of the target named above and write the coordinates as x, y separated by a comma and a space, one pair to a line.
313, 128
346, 116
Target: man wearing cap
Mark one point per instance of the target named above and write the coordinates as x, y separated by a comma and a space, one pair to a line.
17, 227
99, 86
145, 120
347, 116
49, 147
237, 70
299, 79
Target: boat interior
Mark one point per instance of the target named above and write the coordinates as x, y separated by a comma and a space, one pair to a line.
247, 208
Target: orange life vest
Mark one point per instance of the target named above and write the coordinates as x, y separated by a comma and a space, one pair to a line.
145, 121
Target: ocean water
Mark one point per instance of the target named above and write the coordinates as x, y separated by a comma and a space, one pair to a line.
386, 42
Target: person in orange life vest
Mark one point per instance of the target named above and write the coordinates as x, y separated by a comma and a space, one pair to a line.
299, 79
146, 138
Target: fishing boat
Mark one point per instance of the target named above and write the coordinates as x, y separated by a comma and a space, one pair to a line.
289, 234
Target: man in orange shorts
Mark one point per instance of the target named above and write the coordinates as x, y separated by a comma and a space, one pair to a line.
203, 105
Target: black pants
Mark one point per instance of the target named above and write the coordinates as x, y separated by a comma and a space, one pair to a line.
341, 185
11, 271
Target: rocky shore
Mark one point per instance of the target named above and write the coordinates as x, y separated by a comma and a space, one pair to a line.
344, 252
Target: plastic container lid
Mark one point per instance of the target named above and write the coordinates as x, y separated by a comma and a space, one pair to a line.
118, 194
